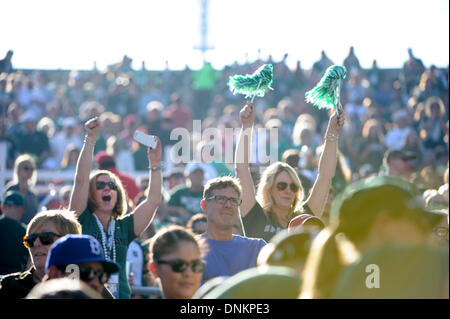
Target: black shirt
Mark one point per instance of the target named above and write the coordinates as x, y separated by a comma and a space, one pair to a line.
17, 285
13, 254
259, 223
33, 143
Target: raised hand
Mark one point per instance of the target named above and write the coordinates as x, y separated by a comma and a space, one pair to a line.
93, 127
336, 122
247, 115
154, 155
144, 212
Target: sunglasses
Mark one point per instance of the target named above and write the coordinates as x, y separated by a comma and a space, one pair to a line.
223, 200
102, 185
46, 239
27, 168
281, 186
88, 274
179, 265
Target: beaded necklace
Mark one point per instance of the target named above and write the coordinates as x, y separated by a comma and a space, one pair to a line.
110, 241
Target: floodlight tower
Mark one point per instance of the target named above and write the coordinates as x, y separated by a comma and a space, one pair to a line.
203, 47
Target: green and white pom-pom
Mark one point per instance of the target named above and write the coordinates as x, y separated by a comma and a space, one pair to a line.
254, 84
326, 93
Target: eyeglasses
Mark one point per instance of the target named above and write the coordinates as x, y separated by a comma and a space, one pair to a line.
46, 239
102, 185
179, 265
223, 200
27, 168
281, 186
441, 231
88, 274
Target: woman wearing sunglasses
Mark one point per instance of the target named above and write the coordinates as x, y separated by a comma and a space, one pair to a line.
42, 231
100, 202
24, 179
280, 195
176, 262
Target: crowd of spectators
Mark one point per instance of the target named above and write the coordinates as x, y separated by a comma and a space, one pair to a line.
43, 111
396, 124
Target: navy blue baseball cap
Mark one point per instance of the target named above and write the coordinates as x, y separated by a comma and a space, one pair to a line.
76, 249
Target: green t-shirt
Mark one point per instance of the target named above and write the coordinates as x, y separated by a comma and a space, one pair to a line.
205, 78
182, 196
123, 236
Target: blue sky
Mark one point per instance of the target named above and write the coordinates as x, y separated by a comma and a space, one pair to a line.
73, 34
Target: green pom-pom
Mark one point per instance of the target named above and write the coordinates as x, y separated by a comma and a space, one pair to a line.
326, 93
254, 84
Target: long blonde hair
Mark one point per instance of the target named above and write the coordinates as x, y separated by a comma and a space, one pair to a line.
263, 195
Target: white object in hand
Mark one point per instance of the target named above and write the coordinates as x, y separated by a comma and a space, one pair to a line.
145, 139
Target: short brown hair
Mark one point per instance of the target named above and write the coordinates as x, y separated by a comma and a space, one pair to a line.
65, 221
221, 183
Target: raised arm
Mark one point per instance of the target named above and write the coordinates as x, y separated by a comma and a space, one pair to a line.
145, 211
80, 191
242, 157
327, 165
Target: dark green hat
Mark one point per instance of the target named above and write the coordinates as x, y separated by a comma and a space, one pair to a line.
14, 198
264, 282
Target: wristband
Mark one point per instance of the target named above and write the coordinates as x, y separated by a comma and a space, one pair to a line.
89, 140
155, 168
331, 136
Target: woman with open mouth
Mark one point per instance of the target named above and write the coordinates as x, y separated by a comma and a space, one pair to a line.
100, 202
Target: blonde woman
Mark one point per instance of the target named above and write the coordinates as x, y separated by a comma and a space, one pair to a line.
100, 203
24, 179
42, 231
280, 195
